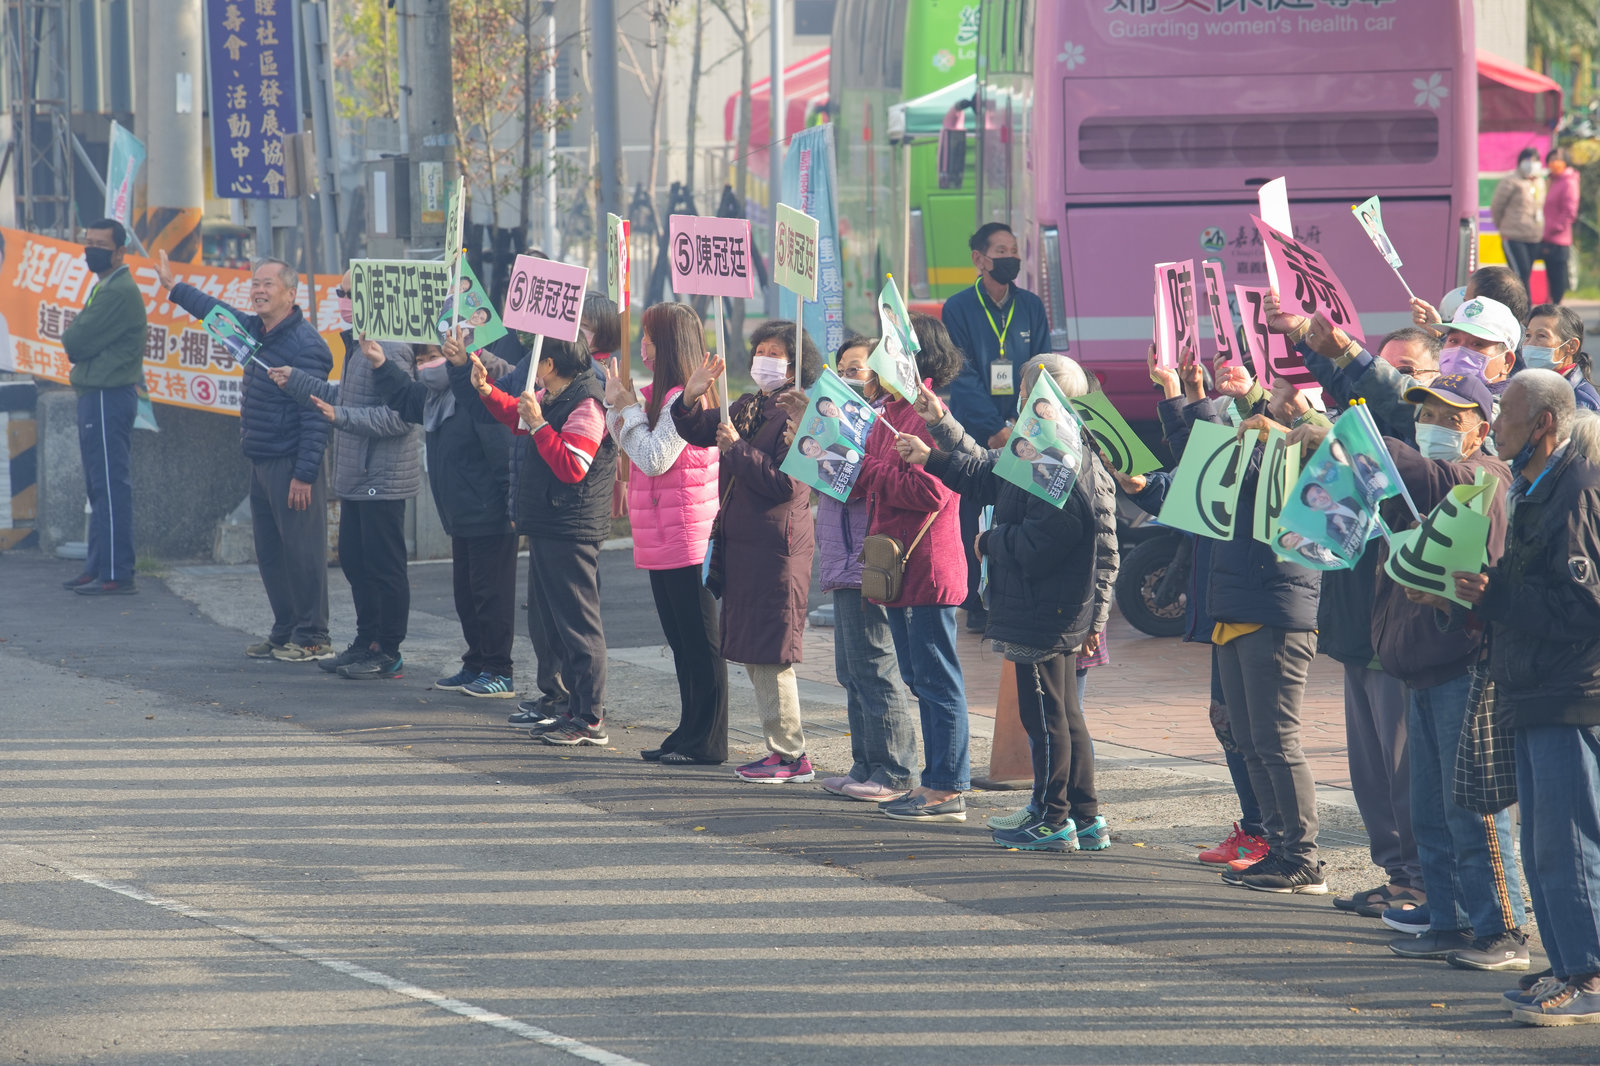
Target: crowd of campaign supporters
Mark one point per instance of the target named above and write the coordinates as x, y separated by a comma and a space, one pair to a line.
523, 445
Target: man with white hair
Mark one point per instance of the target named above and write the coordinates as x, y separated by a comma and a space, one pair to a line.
1542, 603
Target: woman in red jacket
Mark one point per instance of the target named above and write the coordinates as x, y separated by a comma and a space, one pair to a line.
917, 509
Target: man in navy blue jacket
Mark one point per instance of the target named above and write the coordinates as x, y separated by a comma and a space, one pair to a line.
997, 326
284, 443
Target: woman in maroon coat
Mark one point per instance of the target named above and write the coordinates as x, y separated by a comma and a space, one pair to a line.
763, 536
917, 509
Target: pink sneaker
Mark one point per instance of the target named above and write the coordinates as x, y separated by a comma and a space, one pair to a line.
774, 771
870, 791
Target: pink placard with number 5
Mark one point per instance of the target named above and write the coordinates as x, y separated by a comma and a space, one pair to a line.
545, 297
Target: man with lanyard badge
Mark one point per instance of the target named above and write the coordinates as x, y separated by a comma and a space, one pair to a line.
998, 326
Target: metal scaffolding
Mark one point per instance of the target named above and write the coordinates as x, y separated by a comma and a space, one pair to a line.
38, 65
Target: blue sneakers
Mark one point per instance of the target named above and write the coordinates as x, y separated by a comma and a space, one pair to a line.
1040, 836
491, 687
1094, 836
457, 681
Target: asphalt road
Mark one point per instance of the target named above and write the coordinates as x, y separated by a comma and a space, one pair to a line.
206, 859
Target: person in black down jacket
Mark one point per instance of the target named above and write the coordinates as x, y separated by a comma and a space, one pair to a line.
1542, 605
284, 442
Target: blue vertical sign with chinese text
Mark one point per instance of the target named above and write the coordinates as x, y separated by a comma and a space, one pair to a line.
808, 170
250, 46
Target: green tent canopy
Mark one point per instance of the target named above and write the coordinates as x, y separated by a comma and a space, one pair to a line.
924, 116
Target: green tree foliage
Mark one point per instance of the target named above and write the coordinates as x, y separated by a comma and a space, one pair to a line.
1556, 27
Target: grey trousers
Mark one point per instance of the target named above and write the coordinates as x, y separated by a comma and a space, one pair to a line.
1263, 677
1375, 710
291, 552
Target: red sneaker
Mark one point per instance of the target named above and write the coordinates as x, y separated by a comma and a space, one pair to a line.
1239, 847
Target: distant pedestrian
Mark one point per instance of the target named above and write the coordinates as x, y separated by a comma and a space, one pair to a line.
105, 345
376, 469
764, 537
672, 497
1518, 212
284, 442
1560, 212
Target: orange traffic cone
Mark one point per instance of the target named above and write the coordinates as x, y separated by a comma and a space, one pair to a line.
1010, 762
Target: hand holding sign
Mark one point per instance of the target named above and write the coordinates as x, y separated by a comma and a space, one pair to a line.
912, 449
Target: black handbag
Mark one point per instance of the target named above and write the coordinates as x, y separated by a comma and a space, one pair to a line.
1485, 779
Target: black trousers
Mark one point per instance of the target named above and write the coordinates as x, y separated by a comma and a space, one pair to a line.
485, 572
689, 619
372, 554
291, 552
971, 511
564, 620
1557, 263
105, 441
1058, 738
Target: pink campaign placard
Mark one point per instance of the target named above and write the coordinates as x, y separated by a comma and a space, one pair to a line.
1306, 283
1221, 316
711, 256
1179, 332
1270, 353
546, 297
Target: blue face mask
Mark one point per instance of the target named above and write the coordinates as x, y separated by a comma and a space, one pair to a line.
1439, 442
1522, 458
1536, 358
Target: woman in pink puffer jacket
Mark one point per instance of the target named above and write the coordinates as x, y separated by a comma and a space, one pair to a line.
672, 502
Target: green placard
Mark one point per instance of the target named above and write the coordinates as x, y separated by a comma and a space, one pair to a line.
1280, 468
830, 442
1204, 495
225, 326
1453, 538
1117, 441
1045, 450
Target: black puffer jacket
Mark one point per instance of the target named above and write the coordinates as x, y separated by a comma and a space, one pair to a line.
272, 423
469, 461
1543, 601
1042, 559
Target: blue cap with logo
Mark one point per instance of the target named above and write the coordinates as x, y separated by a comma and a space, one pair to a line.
1464, 391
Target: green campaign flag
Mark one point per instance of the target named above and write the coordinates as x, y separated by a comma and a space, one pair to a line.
1454, 537
1293, 548
1116, 439
1204, 495
225, 326
1328, 504
476, 318
831, 439
1045, 449
1280, 468
1376, 475
894, 359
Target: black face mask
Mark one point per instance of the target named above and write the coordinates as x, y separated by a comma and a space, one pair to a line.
1005, 269
98, 260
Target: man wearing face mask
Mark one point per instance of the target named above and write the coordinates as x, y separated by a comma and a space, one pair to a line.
105, 345
998, 326
1541, 602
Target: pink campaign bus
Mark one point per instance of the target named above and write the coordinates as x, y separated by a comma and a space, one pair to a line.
1121, 133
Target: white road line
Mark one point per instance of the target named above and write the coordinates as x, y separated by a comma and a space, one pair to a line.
575, 1048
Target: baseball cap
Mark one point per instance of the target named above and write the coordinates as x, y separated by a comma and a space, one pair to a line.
1452, 302
1486, 318
1464, 391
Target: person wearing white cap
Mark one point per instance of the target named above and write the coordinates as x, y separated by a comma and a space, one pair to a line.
1481, 338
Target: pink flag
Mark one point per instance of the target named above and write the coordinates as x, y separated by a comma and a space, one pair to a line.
1270, 353
1221, 316
1178, 331
1306, 283
711, 256
545, 297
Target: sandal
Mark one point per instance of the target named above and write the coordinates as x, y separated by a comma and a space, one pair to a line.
1373, 902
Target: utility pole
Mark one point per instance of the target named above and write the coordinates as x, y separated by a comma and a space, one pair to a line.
551, 239
318, 61
778, 128
607, 119
431, 117
170, 114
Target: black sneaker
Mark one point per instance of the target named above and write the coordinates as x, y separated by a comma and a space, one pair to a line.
574, 731
1508, 951
377, 667
357, 652
537, 712
108, 588
1266, 864
1434, 944
1299, 878
78, 582
544, 727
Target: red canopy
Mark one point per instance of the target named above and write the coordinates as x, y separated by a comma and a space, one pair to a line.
1515, 99
805, 84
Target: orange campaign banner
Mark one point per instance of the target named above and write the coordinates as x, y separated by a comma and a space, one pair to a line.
43, 286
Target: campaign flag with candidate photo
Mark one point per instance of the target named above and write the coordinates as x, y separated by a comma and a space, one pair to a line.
894, 359
475, 316
1333, 504
1045, 450
830, 442
225, 326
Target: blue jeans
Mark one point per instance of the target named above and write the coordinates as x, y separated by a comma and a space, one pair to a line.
1558, 787
925, 642
882, 735
1468, 867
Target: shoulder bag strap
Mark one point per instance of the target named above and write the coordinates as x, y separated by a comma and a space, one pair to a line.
921, 532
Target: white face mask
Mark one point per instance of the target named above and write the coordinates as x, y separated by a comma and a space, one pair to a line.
1439, 442
1527, 168
768, 373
